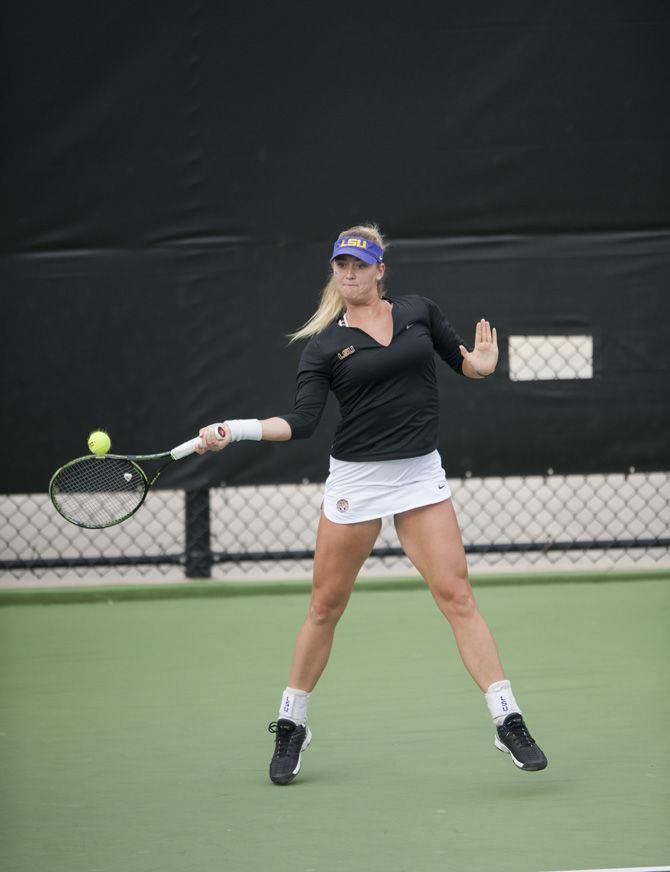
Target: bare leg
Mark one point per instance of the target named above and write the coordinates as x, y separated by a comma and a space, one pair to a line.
432, 540
341, 550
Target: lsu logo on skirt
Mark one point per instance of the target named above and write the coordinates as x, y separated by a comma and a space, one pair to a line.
342, 505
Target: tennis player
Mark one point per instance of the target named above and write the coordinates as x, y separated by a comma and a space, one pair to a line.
377, 354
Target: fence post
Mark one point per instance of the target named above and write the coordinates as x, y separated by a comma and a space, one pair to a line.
198, 552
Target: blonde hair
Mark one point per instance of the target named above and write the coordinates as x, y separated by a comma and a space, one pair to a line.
332, 304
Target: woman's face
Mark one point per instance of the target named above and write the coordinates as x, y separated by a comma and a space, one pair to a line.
356, 280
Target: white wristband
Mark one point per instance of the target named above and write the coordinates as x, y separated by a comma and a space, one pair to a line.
248, 428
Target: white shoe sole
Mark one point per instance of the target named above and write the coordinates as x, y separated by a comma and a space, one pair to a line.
499, 745
305, 745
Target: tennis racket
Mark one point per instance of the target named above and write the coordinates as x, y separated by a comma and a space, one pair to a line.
97, 492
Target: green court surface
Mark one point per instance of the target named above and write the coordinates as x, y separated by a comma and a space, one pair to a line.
134, 736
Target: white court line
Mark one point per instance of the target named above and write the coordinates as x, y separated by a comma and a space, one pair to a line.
627, 869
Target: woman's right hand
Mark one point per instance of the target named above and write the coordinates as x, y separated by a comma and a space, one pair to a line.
211, 440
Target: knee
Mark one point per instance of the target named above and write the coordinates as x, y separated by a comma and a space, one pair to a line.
325, 612
456, 599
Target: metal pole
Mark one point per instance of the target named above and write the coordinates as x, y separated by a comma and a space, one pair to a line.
198, 556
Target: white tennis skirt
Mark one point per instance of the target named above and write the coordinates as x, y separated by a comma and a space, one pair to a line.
362, 490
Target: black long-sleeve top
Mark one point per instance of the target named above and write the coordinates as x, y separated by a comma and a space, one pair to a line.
387, 394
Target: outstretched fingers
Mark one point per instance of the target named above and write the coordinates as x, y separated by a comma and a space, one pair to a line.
486, 338
484, 334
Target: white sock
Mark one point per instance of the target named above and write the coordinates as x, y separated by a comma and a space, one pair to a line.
293, 705
501, 702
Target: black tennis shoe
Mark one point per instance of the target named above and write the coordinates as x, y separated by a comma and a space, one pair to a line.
514, 739
290, 741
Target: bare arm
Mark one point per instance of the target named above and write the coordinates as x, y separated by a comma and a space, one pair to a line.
273, 430
276, 430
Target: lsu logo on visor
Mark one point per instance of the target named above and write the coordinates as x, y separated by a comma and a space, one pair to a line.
353, 242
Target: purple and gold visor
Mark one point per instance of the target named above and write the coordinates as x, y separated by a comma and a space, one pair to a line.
364, 249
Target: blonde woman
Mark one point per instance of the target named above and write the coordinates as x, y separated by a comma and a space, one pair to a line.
377, 355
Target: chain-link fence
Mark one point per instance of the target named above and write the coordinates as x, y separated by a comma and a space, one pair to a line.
522, 523
550, 358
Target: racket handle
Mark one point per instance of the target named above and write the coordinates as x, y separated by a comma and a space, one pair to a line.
189, 447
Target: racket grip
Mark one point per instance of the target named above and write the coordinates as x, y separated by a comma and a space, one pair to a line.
189, 447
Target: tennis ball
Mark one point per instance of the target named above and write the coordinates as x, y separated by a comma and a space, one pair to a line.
99, 443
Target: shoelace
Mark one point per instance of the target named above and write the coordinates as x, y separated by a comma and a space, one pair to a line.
284, 736
518, 730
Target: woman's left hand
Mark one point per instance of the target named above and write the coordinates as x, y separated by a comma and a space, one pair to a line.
484, 357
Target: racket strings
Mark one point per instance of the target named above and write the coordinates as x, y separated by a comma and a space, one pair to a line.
98, 491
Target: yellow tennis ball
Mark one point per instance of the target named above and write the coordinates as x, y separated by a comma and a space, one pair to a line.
99, 443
